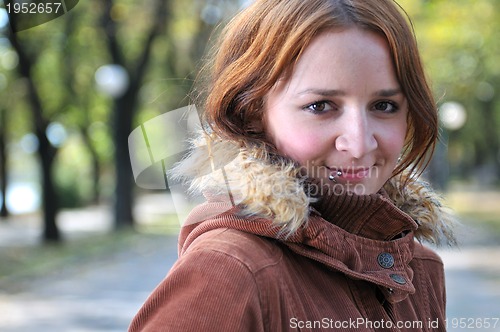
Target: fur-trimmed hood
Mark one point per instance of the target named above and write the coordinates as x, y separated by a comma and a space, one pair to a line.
265, 187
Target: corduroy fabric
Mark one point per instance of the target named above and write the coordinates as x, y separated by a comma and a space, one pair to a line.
238, 273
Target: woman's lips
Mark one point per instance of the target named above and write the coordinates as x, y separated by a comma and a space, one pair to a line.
352, 174
356, 175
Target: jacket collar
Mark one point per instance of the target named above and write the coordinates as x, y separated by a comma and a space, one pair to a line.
370, 216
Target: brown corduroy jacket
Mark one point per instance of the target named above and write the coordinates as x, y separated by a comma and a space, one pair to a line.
351, 264
233, 274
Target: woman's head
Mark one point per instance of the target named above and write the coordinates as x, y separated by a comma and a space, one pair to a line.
342, 112
262, 45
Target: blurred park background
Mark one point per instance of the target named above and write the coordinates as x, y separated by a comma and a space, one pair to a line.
74, 88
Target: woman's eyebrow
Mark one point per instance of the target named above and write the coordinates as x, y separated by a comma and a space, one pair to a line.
334, 92
388, 92
323, 92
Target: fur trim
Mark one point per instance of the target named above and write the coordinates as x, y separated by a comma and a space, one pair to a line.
417, 199
247, 177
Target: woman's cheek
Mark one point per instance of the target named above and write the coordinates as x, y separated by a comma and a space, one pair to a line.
394, 144
302, 147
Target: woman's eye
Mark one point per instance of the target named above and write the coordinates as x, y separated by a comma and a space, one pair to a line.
386, 107
319, 107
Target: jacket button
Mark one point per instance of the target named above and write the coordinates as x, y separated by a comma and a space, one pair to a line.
385, 260
398, 279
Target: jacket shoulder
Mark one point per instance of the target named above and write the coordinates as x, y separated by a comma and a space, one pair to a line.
253, 251
212, 287
424, 253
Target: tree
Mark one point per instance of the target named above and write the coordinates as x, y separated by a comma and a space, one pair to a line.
81, 93
3, 163
460, 45
125, 105
46, 151
58, 61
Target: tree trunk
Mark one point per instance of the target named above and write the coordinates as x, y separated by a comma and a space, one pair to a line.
47, 154
49, 196
4, 212
491, 134
124, 107
123, 114
46, 151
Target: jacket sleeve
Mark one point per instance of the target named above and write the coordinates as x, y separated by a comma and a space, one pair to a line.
206, 290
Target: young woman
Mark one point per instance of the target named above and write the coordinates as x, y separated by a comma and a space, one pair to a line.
318, 120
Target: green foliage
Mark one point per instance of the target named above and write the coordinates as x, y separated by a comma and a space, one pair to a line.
460, 46
73, 165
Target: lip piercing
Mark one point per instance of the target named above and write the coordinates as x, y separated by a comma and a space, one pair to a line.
332, 176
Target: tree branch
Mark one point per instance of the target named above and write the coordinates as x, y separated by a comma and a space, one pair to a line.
158, 24
110, 28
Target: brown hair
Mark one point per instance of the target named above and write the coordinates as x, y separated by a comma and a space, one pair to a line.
263, 42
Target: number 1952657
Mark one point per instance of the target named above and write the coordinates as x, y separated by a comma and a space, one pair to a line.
33, 8
472, 323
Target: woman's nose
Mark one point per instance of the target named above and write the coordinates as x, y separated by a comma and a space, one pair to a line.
356, 135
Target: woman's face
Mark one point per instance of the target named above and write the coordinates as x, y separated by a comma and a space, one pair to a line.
341, 110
